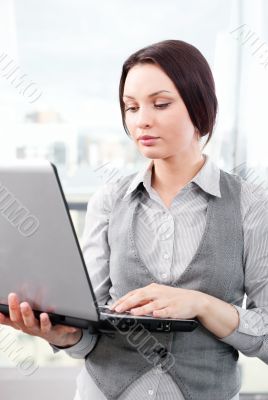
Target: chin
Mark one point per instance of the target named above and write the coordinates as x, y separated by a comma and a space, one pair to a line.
153, 154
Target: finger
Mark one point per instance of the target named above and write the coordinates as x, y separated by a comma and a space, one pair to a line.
122, 299
131, 302
163, 313
2, 318
28, 316
148, 308
14, 308
7, 322
45, 323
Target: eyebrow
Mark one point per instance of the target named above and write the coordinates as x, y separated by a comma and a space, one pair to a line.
150, 95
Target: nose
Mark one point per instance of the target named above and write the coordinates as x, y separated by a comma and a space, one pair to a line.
144, 119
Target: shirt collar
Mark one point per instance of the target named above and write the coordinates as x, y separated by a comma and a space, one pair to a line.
207, 178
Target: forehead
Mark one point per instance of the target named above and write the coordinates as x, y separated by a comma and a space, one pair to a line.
144, 79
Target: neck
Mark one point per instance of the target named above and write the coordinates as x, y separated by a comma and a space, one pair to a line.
173, 173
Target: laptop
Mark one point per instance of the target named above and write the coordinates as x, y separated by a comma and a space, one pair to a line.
41, 260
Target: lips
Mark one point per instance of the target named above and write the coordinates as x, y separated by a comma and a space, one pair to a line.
145, 137
148, 140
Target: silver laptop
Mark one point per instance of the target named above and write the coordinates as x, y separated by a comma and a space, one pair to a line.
40, 256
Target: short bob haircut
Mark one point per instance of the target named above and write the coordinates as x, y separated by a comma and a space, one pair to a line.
190, 72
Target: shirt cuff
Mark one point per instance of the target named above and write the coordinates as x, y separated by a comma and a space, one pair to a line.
83, 347
248, 336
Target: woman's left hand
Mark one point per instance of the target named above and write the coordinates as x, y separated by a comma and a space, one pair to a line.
162, 301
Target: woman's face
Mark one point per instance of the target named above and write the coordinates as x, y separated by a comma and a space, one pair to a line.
163, 116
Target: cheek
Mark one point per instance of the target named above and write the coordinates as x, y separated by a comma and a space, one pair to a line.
130, 123
181, 125
179, 134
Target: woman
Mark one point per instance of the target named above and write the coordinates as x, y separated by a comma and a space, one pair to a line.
181, 239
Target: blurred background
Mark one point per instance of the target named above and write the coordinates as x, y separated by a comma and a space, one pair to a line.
60, 64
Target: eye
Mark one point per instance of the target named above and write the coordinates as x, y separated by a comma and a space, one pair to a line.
159, 106
164, 105
130, 109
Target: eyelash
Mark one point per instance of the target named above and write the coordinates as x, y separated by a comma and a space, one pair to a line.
160, 106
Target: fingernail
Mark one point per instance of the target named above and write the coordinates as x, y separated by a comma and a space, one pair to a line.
118, 308
24, 307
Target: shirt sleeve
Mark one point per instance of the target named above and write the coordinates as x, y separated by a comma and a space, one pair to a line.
251, 336
96, 252
80, 350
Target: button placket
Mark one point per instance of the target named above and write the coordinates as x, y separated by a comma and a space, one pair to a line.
166, 255
168, 223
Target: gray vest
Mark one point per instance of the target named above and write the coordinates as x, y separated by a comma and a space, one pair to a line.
203, 367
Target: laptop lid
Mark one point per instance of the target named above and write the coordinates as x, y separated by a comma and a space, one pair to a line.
40, 258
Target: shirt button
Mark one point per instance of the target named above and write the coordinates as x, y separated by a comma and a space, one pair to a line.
165, 237
246, 325
166, 256
157, 370
164, 276
151, 392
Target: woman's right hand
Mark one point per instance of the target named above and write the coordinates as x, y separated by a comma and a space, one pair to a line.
21, 317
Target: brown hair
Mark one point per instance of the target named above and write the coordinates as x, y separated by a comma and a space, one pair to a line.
190, 72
